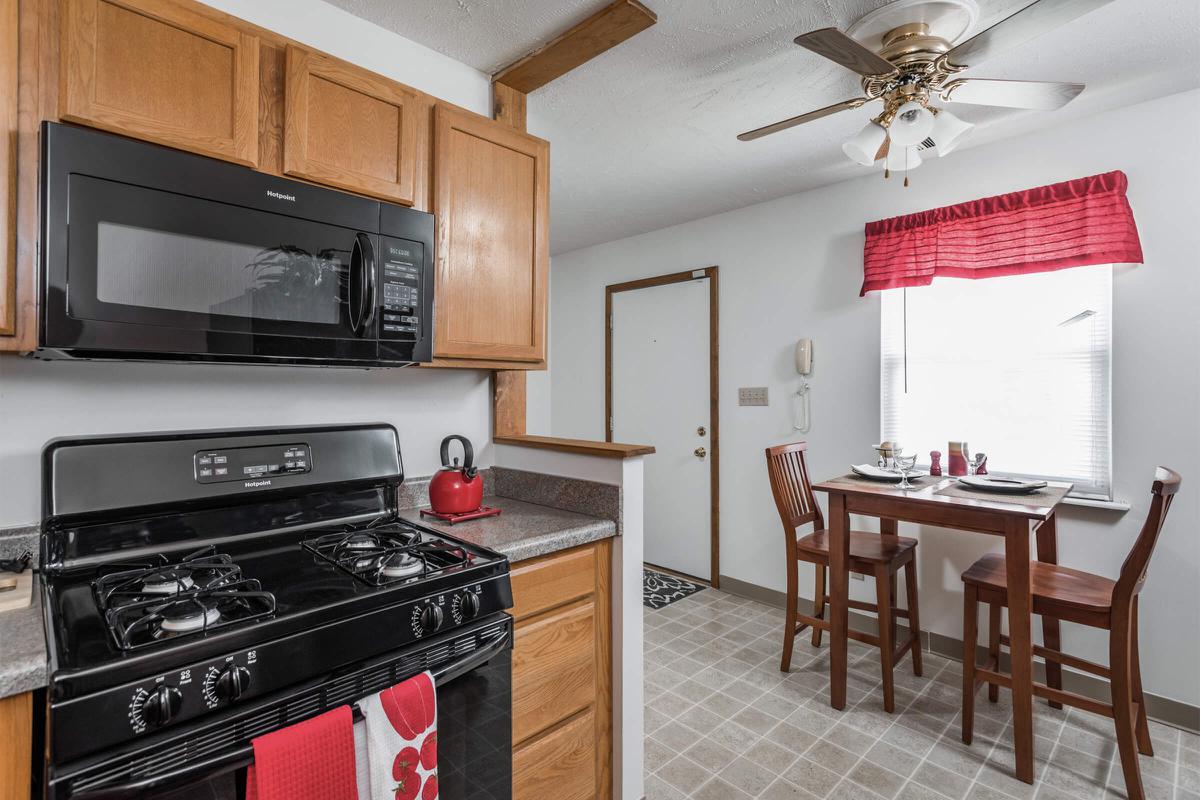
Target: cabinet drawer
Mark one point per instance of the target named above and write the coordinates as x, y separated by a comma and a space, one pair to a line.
559, 765
552, 581
350, 128
554, 669
159, 71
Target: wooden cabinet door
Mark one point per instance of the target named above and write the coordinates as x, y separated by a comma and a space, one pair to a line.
8, 167
157, 70
554, 669
349, 128
491, 198
560, 765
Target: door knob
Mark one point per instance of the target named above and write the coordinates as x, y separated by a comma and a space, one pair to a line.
700, 452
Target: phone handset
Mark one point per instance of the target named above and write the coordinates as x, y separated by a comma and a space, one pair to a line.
803, 418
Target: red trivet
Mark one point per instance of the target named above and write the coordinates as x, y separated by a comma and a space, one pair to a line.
482, 511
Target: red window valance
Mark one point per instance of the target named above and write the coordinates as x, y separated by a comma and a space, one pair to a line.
1069, 224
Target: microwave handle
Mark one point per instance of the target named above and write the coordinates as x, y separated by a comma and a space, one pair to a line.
244, 756
362, 308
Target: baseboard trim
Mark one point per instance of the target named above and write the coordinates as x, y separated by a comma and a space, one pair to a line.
1171, 712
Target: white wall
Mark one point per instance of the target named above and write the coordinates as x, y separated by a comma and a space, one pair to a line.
41, 400
793, 267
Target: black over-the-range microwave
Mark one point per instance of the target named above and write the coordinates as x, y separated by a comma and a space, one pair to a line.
151, 253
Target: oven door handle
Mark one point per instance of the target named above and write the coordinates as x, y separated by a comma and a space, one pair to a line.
244, 756
478, 658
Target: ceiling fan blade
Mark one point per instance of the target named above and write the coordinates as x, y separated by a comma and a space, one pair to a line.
837, 46
883, 149
1036, 18
758, 133
1039, 95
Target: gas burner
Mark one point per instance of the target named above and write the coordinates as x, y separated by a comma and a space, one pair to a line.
400, 565
185, 616
387, 552
133, 583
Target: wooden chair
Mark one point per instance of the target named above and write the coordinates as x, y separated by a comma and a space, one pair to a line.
880, 555
1075, 596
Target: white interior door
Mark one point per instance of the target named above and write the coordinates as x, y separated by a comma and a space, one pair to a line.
660, 396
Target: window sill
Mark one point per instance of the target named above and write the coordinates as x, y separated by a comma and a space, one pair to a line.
1108, 505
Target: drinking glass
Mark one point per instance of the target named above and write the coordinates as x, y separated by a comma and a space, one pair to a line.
905, 463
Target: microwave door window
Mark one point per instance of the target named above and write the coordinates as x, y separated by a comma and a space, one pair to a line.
157, 258
284, 283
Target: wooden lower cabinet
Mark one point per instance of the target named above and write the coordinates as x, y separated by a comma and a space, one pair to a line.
16, 730
557, 763
562, 675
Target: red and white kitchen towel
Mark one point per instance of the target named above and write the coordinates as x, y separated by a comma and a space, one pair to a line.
312, 760
401, 725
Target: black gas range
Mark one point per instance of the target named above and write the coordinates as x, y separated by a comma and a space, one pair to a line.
206, 588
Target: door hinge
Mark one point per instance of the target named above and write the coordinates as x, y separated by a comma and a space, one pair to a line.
610, 423
610, 322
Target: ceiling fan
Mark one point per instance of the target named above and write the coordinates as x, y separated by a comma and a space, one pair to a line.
916, 62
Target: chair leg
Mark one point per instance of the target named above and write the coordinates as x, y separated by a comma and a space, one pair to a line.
1120, 660
994, 646
914, 619
818, 603
970, 640
883, 599
789, 630
1145, 746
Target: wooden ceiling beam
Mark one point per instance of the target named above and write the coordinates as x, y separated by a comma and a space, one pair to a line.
598, 33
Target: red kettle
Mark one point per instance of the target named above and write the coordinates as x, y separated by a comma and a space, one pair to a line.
455, 489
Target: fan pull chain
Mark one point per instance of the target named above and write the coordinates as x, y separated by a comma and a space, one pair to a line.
906, 168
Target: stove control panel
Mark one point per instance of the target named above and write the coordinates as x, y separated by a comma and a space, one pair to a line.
251, 463
187, 692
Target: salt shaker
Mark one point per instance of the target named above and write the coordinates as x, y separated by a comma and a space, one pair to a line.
935, 462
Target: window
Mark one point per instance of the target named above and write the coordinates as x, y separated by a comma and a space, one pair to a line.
1018, 367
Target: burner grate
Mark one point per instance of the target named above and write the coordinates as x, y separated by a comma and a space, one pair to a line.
197, 611
385, 554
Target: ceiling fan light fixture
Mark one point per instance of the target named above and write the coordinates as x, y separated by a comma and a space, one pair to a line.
865, 144
948, 132
901, 159
912, 123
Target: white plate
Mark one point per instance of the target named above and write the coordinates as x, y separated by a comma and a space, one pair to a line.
1001, 485
886, 475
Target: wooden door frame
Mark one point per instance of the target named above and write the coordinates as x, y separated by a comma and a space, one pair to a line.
714, 454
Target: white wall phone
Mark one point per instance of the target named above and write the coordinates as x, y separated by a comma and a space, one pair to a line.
803, 420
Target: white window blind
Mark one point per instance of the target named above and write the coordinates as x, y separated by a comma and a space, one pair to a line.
1018, 367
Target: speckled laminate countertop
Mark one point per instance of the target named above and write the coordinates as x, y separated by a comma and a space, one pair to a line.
523, 530
23, 647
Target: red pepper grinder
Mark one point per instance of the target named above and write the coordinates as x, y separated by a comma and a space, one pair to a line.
935, 462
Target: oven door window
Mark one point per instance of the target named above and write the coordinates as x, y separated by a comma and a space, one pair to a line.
150, 257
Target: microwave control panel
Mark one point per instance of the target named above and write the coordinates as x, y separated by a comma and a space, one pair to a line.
402, 267
251, 463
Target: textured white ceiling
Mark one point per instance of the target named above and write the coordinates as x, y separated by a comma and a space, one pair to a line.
644, 136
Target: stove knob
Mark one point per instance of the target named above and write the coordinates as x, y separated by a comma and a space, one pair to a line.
232, 683
162, 705
431, 619
468, 605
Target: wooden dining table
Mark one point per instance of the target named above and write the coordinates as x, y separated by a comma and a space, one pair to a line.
941, 502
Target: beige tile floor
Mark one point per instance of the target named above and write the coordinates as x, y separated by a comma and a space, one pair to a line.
723, 723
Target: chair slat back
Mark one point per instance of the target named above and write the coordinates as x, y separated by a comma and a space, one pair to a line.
791, 487
1133, 571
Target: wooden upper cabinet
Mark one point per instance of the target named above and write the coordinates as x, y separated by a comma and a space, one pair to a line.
491, 198
157, 70
350, 128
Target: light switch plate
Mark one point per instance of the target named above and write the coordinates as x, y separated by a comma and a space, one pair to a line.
752, 396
